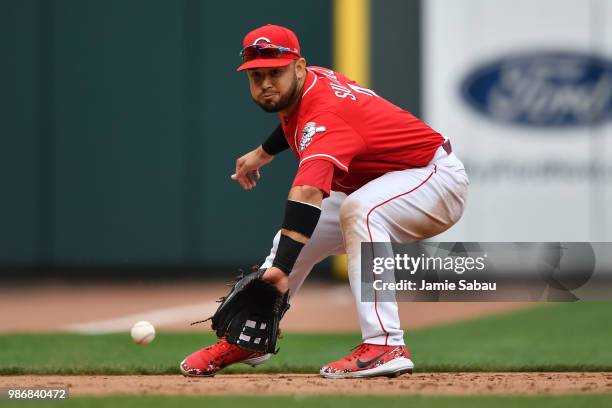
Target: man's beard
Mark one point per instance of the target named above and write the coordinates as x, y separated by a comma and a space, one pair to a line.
284, 100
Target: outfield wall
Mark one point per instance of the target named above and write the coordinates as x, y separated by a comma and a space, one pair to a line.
121, 123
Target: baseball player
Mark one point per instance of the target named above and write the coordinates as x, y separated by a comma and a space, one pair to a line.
368, 172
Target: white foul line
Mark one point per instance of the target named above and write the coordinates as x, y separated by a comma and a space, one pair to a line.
338, 295
157, 317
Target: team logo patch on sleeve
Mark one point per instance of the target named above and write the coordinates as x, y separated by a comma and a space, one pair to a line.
308, 133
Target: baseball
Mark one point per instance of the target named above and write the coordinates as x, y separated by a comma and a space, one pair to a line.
143, 333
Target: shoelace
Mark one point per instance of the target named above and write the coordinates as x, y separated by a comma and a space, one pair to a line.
226, 349
222, 345
357, 351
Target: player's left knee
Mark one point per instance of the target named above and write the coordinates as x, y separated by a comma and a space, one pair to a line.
352, 212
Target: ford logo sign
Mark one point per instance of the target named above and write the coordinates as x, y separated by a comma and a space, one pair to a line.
550, 89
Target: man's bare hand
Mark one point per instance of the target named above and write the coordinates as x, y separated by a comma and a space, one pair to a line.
247, 168
278, 278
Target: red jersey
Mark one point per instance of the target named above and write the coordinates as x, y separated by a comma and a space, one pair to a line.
363, 135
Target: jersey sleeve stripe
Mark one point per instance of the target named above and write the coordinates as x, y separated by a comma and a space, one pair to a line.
324, 155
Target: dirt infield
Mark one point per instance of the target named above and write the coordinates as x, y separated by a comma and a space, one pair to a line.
307, 384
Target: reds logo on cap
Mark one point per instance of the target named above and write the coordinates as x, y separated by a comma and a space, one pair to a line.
260, 39
274, 35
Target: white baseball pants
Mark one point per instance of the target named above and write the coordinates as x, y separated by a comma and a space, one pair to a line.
401, 206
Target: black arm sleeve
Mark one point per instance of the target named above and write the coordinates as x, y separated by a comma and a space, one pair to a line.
299, 217
276, 142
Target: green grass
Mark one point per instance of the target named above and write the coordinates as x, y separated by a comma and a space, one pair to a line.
564, 337
574, 401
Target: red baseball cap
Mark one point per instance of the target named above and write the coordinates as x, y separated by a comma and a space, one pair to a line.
273, 35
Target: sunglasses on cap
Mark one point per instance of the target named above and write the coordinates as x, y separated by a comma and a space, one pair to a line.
265, 51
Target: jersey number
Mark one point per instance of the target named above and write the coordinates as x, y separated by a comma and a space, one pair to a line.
361, 90
342, 92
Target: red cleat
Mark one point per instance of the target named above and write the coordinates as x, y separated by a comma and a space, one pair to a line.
371, 360
207, 361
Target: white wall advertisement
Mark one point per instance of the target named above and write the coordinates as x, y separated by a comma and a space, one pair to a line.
523, 88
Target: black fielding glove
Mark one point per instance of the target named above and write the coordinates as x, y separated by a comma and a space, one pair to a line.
250, 314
